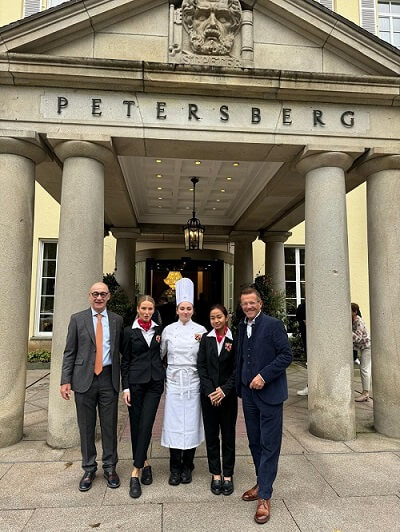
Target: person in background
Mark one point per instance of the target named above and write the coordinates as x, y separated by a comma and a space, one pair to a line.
216, 366
301, 319
183, 428
142, 375
362, 342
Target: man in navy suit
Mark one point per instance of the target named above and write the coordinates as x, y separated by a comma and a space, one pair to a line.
263, 354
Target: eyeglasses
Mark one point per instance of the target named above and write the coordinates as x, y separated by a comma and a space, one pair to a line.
99, 294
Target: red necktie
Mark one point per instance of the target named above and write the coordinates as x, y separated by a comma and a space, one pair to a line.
98, 363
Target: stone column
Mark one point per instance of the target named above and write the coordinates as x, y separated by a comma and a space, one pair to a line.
243, 261
383, 215
79, 265
329, 341
17, 189
275, 257
126, 259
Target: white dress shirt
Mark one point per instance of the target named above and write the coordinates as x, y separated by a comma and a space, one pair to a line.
106, 335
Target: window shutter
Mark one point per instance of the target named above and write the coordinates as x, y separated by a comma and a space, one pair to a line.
327, 3
31, 7
368, 15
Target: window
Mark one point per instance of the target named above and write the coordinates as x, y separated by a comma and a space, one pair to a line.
31, 7
52, 3
389, 22
47, 266
295, 282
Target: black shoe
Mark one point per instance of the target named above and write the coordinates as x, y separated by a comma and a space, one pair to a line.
174, 479
147, 476
135, 489
186, 476
227, 487
216, 486
112, 479
86, 481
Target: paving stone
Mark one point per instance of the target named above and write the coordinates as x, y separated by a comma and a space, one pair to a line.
360, 474
370, 442
47, 484
30, 451
353, 514
34, 375
3, 469
311, 443
144, 518
235, 516
14, 520
35, 433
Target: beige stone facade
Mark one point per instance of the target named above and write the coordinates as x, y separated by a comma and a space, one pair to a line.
275, 125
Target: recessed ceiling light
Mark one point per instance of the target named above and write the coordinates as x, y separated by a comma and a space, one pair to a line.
229, 179
191, 190
158, 175
158, 161
218, 200
159, 206
197, 163
160, 198
187, 208
159, 188
235, 164
222, 190
214, 208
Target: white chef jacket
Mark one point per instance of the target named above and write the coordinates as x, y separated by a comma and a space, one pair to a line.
183, 422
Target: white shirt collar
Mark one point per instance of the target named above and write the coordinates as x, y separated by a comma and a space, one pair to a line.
136, 325
228, 334
250, 322
94, 312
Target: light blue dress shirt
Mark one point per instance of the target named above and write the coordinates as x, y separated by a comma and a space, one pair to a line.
106, 335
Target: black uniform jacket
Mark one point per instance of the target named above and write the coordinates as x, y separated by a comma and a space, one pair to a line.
216, 370
140, 363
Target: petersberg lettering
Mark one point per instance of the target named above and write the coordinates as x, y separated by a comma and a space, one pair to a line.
185, 111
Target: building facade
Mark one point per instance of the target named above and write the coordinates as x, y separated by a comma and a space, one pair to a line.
280, 109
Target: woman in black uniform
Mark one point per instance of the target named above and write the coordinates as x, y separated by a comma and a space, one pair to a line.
143, 384
216, 366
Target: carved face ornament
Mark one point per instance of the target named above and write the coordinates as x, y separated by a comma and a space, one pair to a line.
212, 24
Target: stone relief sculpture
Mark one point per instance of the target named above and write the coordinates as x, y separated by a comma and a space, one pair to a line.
211, 32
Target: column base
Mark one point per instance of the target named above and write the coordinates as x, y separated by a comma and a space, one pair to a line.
386, 419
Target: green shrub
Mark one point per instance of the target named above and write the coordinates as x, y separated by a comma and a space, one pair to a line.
119, 302
39, 355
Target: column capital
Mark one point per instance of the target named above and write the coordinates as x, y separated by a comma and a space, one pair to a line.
377, 160
126, 232
243, 236
83, 148
275, 236
336, 157
24, 147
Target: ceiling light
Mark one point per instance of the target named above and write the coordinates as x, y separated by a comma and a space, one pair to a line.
229, 179
158, 175
218, 200
191, 190
160, 198
214, 208
222, 190
159, 188
235, 164
158, 161
197, 163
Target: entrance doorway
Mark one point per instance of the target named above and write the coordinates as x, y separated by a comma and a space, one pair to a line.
207, 277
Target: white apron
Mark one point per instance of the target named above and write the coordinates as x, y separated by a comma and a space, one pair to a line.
183, 422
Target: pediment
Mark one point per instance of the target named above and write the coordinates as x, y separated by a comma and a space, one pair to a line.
289, 35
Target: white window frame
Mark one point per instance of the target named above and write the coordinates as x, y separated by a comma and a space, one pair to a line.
390, 16
54, 3
297, 264
31, 7
39, 282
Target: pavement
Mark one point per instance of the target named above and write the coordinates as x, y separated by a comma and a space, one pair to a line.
321, 485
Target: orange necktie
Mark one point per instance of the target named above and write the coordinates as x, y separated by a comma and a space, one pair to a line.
98, 363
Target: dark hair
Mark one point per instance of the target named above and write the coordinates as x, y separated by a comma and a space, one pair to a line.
355, 308
249, 290
221, 308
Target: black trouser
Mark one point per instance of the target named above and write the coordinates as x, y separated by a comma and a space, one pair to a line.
180, 460
103, 396
145, 399
220, 418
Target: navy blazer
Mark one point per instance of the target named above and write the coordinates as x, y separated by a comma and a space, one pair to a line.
216, 370
270, 358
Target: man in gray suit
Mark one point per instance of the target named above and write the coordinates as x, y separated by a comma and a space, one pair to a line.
91, 368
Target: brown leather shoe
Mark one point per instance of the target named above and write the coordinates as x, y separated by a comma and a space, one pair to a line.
263, 511
251, 494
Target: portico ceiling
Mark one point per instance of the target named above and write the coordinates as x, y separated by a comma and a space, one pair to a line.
161, 191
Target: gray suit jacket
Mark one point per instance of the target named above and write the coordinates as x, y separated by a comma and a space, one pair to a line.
80, 351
